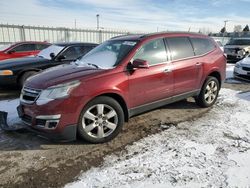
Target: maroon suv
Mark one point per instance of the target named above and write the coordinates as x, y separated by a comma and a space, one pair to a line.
122, 77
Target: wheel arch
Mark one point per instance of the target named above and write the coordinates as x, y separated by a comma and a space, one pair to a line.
21, 73
120, 100
217, 75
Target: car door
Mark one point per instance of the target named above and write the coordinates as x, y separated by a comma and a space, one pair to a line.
184, 67
68, 55
156, 82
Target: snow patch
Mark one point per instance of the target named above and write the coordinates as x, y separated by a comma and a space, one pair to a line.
212, 151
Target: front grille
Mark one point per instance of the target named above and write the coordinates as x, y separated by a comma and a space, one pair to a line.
30, 95
246, 68
27, 119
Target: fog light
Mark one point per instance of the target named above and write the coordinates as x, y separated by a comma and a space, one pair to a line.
47, 122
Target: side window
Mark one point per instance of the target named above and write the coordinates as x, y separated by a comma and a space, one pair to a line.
25, 47
41, 46
154, 52
84, 49
180, 47
72, 53
202, 45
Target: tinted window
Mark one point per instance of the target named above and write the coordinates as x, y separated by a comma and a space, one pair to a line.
180, 47
154, 52
239, 42
71, 53
25, 47
85, 49
41, 46
202, 45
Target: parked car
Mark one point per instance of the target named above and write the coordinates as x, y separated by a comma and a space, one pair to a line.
17, 71
237, 48
21, 49
242, 69
121, 78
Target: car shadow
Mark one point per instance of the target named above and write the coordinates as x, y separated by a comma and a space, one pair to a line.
244, 95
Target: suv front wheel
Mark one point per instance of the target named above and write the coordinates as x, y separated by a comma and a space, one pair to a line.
209, 92
101, 120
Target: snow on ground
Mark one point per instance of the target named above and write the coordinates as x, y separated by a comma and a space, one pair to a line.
212, 151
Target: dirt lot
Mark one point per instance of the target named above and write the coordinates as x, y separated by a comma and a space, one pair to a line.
30, 161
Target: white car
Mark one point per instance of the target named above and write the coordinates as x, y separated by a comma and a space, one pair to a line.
242, 69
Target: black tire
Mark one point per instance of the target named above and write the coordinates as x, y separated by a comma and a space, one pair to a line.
109, 104
25, 76
202, 100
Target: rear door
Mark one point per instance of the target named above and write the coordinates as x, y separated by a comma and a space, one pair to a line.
184, 67
156, 82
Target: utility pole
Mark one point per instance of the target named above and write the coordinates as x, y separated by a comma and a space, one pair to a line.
75, 23
97, 21
225, 24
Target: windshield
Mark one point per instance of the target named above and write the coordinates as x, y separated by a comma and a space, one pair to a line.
239, 42
51, 49
107, 55
4, 47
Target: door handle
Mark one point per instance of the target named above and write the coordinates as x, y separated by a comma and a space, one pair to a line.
198, 63
167, 70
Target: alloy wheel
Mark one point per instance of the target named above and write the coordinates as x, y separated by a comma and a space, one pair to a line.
100, 121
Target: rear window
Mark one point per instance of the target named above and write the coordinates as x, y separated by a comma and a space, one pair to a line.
202, 45
180, 47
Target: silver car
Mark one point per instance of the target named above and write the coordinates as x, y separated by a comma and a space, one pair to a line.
242, 69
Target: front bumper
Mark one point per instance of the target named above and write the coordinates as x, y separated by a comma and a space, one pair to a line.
56, 120
7, 80
241, 74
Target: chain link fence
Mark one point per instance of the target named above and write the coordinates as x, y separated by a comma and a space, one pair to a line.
17, 33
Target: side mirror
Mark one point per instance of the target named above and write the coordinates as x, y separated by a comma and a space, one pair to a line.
140, 64
52, 55
11, 52
61, 57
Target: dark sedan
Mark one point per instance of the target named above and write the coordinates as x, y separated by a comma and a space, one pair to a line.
16, 71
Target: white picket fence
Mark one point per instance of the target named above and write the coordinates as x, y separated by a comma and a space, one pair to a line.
16, 33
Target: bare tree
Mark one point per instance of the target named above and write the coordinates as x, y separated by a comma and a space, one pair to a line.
237, 28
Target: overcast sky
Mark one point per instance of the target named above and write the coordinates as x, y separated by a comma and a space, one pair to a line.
132, 15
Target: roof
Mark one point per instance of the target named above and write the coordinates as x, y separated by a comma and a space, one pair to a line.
74, 43
31, 42
142, 36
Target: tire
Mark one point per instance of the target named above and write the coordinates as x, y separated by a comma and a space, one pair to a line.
209, 92
99, 127
24, 77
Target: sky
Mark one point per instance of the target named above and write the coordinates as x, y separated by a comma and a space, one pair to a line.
128, 15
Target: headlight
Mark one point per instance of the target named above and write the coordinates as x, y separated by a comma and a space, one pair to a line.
6, 72
237, 65
57, 92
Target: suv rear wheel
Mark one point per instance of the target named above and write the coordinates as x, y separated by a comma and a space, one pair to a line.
209, 92
101, 120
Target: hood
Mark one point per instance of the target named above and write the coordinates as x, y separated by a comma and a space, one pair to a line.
245, 61
60, 74
15, 62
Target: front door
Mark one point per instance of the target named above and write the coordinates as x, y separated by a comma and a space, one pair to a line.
156, 82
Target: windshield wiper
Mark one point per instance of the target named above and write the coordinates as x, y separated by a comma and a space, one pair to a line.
94, 65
